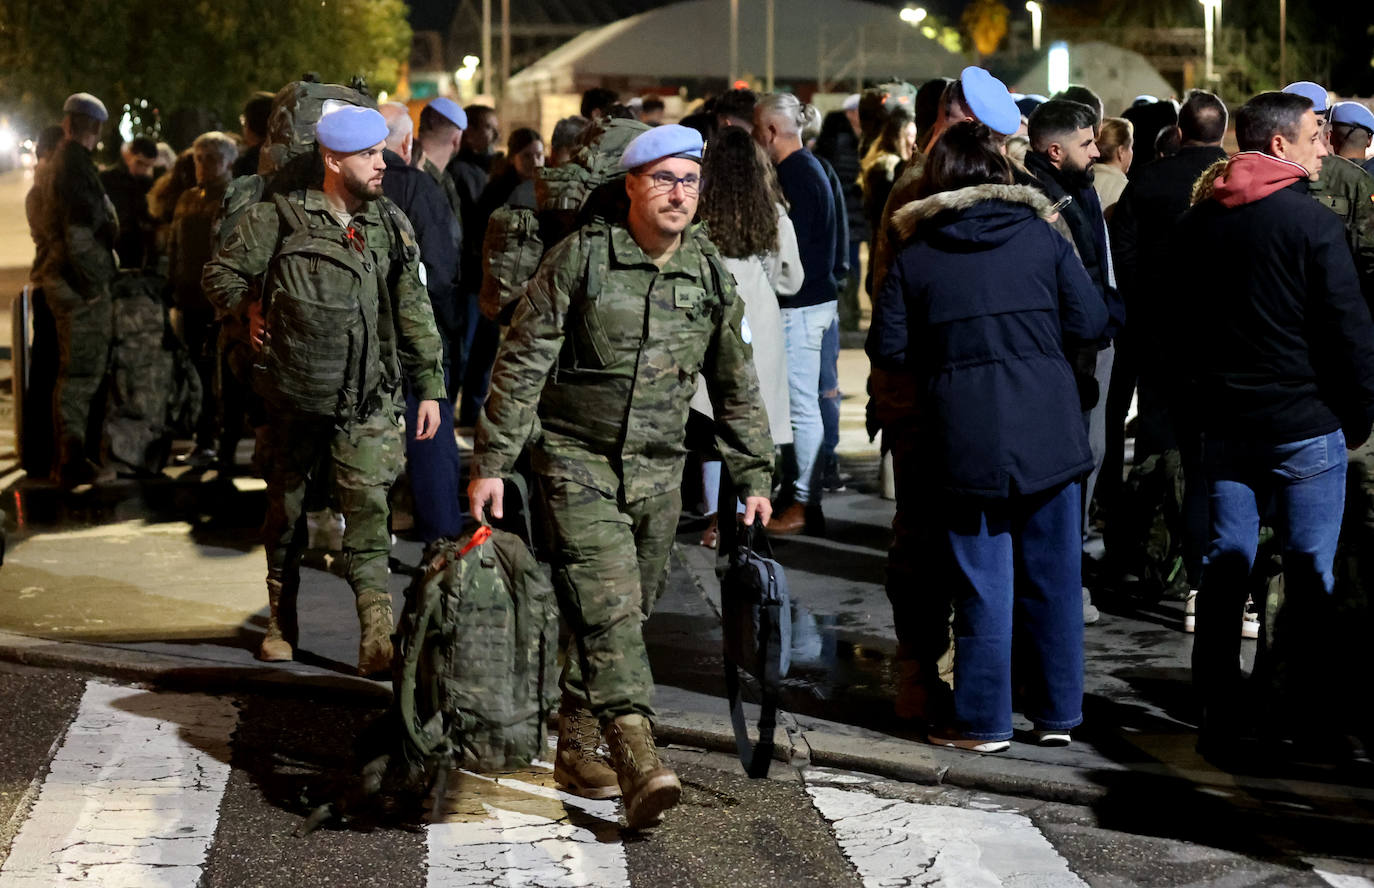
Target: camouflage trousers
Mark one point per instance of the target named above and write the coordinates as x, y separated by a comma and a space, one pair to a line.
610, 567
922, 606
85, 330
366, 458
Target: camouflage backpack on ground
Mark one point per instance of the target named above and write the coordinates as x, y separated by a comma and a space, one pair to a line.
588, 187
476, 673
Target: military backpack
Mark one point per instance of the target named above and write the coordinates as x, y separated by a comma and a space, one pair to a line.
588, 187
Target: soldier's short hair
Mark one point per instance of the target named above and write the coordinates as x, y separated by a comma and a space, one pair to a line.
1267, 115
220, 143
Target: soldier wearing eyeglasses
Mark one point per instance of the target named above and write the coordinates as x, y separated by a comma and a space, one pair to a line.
594, 378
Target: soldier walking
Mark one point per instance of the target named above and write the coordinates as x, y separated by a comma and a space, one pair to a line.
74, 231
595, 376
347, 316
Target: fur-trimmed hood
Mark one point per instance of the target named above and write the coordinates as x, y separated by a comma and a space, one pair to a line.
984, 212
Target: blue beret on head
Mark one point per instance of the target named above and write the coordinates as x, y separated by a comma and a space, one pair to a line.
351, 128
451, 111
670, 140
988, 99
1309, 90
85, 103
1027, 104
1353, 113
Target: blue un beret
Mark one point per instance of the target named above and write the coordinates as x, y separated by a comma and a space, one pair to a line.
1309, 90
1353, 113
85, 103
351, 128
670, 140
988, 99
450, 111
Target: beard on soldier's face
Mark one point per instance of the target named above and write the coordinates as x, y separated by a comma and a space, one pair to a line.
363, 189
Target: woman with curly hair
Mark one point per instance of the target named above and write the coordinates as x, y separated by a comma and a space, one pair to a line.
744, 212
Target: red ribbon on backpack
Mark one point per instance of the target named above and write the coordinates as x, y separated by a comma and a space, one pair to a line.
479, 536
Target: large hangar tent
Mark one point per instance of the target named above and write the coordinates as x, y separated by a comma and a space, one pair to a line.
1117, 75
690, 42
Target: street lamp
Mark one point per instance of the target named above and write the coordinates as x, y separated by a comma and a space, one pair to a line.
1058, 67
1211, 10
1036, 12
912, 15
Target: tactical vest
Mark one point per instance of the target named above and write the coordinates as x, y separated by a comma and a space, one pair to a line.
590, 389
328, 347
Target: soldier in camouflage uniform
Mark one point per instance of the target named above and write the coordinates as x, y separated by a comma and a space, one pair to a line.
595, 376
74, 232
441, 130
362, 439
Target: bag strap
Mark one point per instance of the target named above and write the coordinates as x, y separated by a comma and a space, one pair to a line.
755, 757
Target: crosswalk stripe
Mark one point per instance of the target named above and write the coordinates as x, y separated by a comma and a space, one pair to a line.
132, 796
894, 843
520, 830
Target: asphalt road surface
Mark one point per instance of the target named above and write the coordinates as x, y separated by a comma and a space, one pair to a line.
108, 784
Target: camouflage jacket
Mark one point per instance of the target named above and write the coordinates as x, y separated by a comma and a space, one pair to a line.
601, 362
1349, 191
74, 224
247, 254
446, 183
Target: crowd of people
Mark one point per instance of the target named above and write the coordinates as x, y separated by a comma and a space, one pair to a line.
597, 309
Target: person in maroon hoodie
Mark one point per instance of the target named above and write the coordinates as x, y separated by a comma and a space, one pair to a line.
1280, 351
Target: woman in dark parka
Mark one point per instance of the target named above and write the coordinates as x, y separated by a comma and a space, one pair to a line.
979, 303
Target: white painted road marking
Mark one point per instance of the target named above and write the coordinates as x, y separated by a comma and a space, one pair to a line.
1339, 880
895, 844
523, 832
133, 794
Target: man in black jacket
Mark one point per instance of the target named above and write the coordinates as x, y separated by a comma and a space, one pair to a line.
433, 464
1063, 150
1142, 232
1281, 354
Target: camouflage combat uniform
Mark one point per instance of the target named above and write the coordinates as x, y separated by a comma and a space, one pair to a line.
445, 182
595, 375
74, 233
1349, 191
364, 445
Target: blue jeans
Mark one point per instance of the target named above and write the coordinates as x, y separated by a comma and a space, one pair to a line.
1016, 561
1302, 485
830, 395
434, 469
804, 330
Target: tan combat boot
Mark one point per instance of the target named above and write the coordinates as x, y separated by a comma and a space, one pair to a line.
647, 786
581, 765
376, 624
278, 646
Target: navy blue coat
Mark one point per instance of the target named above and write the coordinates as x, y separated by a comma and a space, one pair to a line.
979, 304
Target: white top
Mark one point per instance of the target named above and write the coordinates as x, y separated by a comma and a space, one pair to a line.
760, 280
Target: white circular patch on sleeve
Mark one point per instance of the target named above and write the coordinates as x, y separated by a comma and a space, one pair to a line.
744, 332
424, 275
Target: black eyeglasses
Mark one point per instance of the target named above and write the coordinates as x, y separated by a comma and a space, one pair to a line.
666, 181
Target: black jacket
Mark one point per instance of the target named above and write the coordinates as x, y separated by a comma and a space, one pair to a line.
812, 210
1280, 338
839, 146
1142, 230
979, 306
423, 202
1083, 215
129, 194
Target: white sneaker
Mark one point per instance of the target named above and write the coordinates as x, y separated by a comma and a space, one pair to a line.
1190, 612
1090, 612
1250, 624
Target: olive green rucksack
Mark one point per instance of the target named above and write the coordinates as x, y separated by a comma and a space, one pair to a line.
588, 187
476, 673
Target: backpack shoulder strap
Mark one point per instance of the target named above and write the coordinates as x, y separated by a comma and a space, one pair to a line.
291, 209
